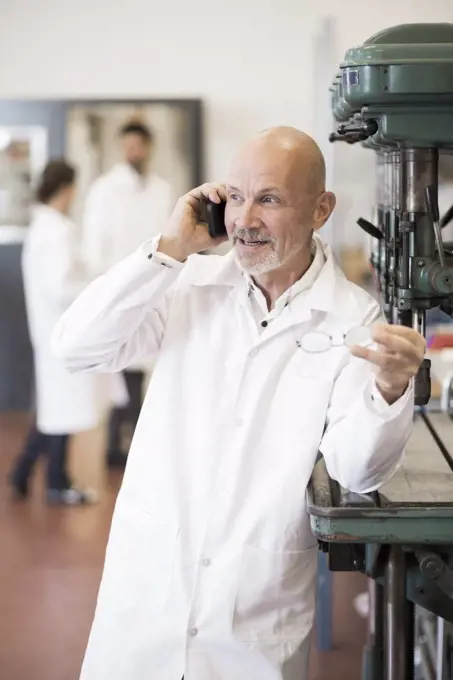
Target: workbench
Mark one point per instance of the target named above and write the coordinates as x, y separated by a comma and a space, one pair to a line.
401, 537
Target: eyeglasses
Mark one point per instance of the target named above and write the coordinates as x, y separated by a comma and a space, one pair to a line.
318, 341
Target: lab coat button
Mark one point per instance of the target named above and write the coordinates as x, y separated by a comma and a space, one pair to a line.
253, 352
206, 562
193, 632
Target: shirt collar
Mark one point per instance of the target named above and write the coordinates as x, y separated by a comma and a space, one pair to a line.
331, 291
304, 283
125, 173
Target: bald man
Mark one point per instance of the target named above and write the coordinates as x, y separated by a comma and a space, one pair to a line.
265, 356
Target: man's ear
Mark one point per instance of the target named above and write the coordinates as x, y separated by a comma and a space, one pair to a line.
323, 210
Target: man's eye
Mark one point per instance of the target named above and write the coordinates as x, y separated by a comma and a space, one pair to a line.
270, 199
233, 197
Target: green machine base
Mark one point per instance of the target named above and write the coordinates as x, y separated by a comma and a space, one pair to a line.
401, 538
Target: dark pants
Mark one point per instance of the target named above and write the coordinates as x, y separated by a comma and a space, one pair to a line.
123, 420
55, 447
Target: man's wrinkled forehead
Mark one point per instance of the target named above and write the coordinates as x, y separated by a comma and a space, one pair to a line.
257, 171
255, 182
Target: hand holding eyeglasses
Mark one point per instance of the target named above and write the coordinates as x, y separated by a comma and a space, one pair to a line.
397, 358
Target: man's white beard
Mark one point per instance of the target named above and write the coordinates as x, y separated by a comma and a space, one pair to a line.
256, 265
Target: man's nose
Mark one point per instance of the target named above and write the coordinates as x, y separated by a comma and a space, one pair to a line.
248, 215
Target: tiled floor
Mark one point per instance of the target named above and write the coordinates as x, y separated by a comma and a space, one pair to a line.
50, 565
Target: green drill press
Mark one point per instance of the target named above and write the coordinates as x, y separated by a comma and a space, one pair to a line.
394, 95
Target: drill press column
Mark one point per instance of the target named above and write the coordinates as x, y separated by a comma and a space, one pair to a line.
418, 170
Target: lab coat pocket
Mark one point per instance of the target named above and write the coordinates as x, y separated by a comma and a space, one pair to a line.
317, 371
275, 594
139, 562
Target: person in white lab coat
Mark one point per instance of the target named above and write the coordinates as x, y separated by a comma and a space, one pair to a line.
123, 208
53, 277
211, 565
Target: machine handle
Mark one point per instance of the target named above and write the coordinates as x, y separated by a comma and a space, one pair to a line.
335, 137
422, 384
447, 218
370, 229
432, 208
366, 128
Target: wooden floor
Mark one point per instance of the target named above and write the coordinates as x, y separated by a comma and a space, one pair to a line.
50, 566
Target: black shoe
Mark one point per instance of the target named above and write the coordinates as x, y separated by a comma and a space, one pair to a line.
116, 459
71, 496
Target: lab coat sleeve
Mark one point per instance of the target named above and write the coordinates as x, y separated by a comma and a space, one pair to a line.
120, 318
365, 437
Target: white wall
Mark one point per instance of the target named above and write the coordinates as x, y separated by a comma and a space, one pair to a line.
250, 60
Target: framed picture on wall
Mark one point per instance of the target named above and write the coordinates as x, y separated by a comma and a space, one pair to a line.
92, 140
23, 153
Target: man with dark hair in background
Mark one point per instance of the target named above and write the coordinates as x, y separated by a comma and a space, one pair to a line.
123, 207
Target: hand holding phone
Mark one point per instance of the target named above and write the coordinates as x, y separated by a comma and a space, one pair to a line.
197, 223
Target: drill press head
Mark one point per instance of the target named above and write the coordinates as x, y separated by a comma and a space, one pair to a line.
396, 90
394, 95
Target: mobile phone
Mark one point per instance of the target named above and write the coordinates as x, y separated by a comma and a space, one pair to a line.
215, 218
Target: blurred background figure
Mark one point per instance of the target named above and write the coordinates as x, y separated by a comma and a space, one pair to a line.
125, 207
53, 277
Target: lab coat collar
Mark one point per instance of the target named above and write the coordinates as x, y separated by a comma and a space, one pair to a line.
331, 292
44, 211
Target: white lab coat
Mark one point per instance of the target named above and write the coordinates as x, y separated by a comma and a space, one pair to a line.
211, 565
122, 211
53, 278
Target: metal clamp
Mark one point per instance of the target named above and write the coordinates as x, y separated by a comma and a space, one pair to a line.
433, 567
